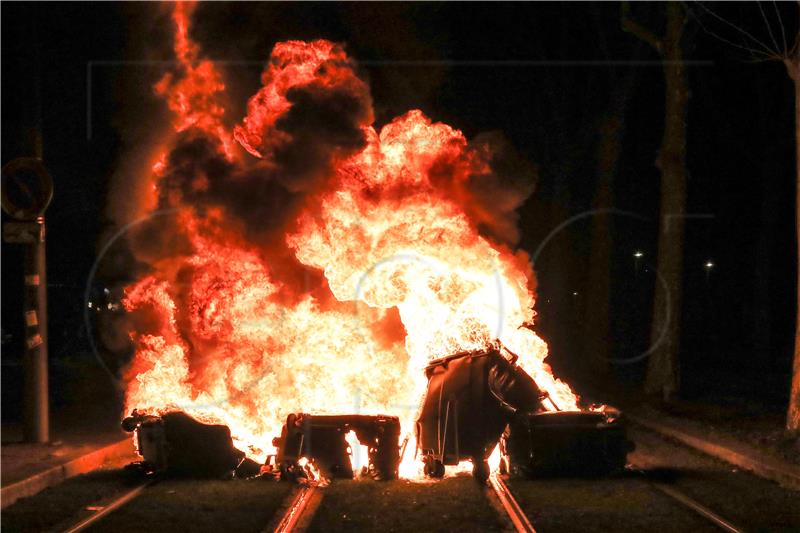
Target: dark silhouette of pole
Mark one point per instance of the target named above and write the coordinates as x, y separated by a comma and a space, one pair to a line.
26, 193
37, 408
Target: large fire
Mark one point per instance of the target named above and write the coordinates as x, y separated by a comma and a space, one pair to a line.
310, 262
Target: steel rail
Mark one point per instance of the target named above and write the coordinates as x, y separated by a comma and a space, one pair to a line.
509, 503
296, 509
697, 507
689, 502
523, 525
110, 508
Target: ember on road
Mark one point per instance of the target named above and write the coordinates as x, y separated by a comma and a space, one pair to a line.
296, 266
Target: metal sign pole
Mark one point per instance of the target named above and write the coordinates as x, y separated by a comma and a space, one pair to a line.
26, 192
37, 408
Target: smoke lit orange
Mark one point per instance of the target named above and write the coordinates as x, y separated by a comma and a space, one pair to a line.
395, 269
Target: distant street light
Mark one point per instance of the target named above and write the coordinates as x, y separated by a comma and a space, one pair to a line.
637, 257
708, 266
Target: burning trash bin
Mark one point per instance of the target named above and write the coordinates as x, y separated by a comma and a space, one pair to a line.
566, 442
470, 399
321, 440
177, 444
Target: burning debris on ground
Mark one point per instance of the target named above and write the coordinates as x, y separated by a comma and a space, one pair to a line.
477, 403
322, 439
471, 398
177, 444
566, 442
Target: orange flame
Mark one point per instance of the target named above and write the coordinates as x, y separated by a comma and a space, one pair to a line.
193, 97
411, 277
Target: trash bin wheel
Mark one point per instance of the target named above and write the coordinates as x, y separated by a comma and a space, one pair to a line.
480, 471
433, 467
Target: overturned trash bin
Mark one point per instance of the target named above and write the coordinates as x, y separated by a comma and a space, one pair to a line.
566, 442
470, 399
321, 440
176, 444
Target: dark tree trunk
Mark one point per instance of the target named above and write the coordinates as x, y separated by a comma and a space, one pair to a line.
662, 369
596, 337
793, 412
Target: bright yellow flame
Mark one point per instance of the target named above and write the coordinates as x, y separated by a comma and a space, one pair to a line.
410, 276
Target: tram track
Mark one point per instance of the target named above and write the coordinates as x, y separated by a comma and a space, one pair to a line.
300, 509
523, 524
515, 513
110, 507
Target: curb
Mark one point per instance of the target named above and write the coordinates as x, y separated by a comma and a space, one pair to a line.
52, 476
787, 475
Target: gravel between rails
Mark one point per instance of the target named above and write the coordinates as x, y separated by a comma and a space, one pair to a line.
753, 503
56, 507
200, 506
451, 504
601, 505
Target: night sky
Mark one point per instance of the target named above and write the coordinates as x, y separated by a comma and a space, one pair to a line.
544, 74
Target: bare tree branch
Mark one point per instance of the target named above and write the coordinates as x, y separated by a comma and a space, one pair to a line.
764, 48
633, 27
795, 51
780, 21
769, 27
757, 55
